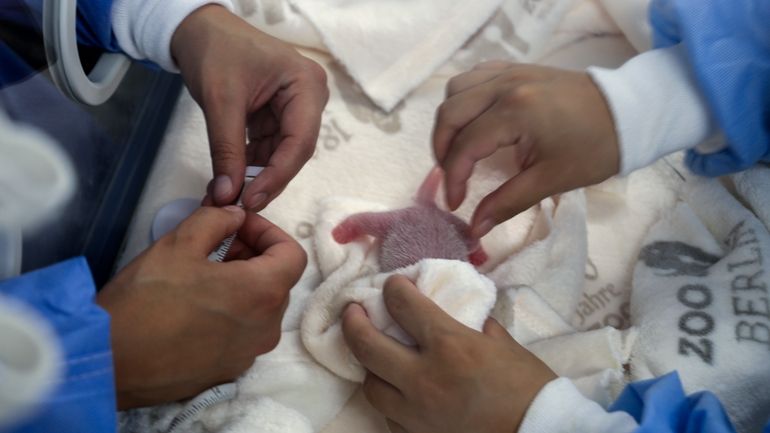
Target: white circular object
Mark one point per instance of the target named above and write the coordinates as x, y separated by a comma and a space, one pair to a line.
30, 360
171, 214
36, 176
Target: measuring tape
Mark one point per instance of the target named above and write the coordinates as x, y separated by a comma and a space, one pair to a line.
203, 401
219, 254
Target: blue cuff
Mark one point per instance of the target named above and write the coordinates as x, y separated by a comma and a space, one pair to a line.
728, 46
660, 406
94, 22
84, 400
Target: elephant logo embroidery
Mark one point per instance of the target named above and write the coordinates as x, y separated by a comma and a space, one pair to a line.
677, 259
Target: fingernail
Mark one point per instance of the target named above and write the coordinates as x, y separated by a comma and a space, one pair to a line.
255, 200
352, 308
485, 227
454, 198
233, 209
223, 187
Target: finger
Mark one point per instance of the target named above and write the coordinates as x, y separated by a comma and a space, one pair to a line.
457, 112
518, 194
207, 227
495, 330
300, 107
467, 80
243, 250
478, 140
207, 200
260, 234
417, 314
384, 397
495, 65
377, 352
226, 127
273, 250
284, 163
394, 427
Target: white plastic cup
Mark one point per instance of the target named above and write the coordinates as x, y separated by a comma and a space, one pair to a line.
30, 361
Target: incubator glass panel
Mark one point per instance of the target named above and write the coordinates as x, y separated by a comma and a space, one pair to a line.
112, 146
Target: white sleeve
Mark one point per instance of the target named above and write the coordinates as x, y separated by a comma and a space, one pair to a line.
143, 28
561, 408
657, 106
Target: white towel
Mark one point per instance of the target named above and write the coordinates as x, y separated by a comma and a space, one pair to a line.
552, 267
632, 17
391, 46
701, 296
281, 20
620, 212
285, 391
540, 287
290, 377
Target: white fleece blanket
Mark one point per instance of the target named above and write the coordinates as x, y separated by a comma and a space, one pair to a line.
563, 270
701, 295
389, 47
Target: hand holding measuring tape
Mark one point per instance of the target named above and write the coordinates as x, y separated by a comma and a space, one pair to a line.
182, 323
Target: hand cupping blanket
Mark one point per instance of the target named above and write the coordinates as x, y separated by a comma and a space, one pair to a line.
351, 274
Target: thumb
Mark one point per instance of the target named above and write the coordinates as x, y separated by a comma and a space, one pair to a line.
518, 194
207, 227
226, 125
495, 330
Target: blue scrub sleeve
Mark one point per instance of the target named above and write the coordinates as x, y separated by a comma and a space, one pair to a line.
660, 406
728, 45
84, 400
94, 22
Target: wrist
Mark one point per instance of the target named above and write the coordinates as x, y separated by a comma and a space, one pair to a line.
190, 36
608, 140
144, 28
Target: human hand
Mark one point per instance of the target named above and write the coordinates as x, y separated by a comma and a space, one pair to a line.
557, 120
181, 324
248, 81
456, 380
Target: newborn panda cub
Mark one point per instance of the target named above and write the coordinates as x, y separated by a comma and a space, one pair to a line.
409, 235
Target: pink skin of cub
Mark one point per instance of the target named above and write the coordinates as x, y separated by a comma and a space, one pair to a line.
409, 235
